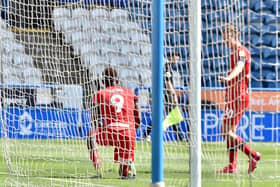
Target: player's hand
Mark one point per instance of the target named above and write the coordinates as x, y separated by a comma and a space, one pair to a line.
223, 79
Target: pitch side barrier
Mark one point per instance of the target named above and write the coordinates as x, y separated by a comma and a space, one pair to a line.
46, 121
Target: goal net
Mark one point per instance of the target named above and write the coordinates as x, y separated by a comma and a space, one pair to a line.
53, 53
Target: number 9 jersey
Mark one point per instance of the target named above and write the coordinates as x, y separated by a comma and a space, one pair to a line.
116, 107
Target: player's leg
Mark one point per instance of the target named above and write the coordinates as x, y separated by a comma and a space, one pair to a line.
239, 143
93, 151
232, 150
127, 168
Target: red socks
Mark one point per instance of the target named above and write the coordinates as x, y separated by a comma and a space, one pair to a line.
94, 157
239, 142
232, 154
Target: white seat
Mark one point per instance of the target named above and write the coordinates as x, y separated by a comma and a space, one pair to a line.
32, 76
109, 27
139, 37
92, 26
97, 37
99, 14
6, 35
130, 49
119, 38
119, 15
12, 74
80, 16
146, 49
60, 15
109, 50
2, 24
130, 27
93, 59
87, 49
120, 60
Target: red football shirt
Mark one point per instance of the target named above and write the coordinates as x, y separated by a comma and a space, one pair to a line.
117, 107
238, 86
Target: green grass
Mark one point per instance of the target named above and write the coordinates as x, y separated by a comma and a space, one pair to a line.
66, 163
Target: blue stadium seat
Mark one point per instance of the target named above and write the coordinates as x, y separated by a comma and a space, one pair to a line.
269, 39
275, 7
255, 52
256, 40
270, 28
255, 64
271, 19
206, 4
255, 75
256, 84
274, 42
184, 38
170, 26
254, 18
251, 29
253, 3
263, 6
270, 52
172, 38
184, 12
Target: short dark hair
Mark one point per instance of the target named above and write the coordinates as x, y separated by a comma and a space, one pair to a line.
173, 53
110, 77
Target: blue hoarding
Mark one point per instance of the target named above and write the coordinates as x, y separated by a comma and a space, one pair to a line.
44, 123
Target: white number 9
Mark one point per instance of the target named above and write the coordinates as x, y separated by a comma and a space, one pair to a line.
117, 101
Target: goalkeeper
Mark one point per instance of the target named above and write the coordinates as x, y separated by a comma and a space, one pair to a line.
115, 117
171, 103
237, 100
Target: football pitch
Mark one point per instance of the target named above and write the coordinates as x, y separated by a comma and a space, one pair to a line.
66, 163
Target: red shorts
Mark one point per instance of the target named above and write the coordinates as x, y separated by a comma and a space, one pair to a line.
123, 140
234, 110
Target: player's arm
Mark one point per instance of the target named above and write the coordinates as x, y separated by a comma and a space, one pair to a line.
237, 69
170, 88
95, 116
136, 114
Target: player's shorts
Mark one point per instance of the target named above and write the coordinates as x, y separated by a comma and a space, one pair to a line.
234, 110
123, 140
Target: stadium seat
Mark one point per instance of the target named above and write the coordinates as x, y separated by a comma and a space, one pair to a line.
275, 7
254, 18
252, 4
269, 40
146, 49
255, 63
109, 27
271, 19
92, 26
109, 49
87, 49
139, 37
23, 60
119, 15
269, 52
130, 49
256, 40
256, 83
2, 24
60, 15
130, 27
99, 14
263, 6
80, 16
6, 35
172, 38
11, 74
32, 76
